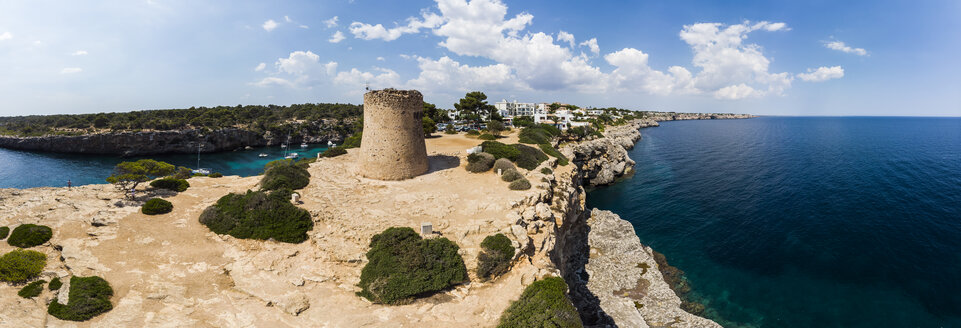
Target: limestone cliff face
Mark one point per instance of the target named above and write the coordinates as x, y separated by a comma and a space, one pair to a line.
614, 279
157, 142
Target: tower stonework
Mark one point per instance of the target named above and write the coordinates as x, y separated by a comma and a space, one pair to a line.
393, 144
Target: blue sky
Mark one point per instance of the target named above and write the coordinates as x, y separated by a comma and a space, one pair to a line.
761, 57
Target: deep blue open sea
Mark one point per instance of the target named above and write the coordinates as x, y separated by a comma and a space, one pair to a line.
25, 169
804, 221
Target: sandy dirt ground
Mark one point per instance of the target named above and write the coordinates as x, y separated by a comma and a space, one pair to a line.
171, 271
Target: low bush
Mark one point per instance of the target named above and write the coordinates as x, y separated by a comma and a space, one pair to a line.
511, 175
543, 304
520, 184
534, 135
258, 215
179, 185
529, 157
285, 174
29, 235
503, 164
156, 206
216, 175
479, 162
20, 265
500, 150
401, 265
473, 132
55, 284
495, 256
334, 152
32, 289
550, 150
4, 232
487, 136
89, 297
546, 171
450, 129
353, 141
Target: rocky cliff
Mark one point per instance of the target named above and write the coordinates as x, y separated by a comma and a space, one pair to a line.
158, 142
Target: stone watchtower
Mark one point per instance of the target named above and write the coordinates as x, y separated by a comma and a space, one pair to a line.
393, 144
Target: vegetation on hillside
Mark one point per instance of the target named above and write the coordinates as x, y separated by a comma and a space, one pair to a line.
543, 304
55, 284
479, 162
171, 184
259, 215
278, 120
20, 266
4, 232
29, 235
401, 265
89, 297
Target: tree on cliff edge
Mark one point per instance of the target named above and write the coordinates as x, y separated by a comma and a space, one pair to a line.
127, 175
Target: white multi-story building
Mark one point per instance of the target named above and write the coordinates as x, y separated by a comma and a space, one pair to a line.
513, 108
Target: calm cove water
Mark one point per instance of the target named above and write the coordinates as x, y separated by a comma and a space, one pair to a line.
23, 169
804, 222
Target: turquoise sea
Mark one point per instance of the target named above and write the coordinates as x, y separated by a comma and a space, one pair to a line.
804, 221
26, 169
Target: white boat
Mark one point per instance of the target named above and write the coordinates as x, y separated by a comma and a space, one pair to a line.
303, 145
283, 145
263, 155
330, 143
292, 156
201, 171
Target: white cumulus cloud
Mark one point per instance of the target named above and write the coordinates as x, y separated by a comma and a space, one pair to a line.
414, 25
840, 46
332, 22
269, 25
260, 67
6, 36
71, 70
566, 37
337, 37
592, 45
822, 74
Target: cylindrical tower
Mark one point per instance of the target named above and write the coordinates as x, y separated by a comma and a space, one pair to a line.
393, 144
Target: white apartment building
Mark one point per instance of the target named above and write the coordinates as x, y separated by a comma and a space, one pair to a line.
513, 108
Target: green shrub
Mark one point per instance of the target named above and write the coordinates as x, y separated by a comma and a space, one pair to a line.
503, 164
401, 266
520, 184
552, 130
55, 284
179, 185
353, 141
534, 135
334, 152
156, 206
550, 150
216, 175
89, 297
511, 175
546, 171
529, 157
479, 162
20, 265
182, 173
32, 289
495, 256
500, 150
4, 232
487, 136
543, 304
450, 129
29, 235
473, 132
283, 174
259, 215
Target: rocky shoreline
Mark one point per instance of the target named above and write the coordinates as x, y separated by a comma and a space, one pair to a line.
159, 142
